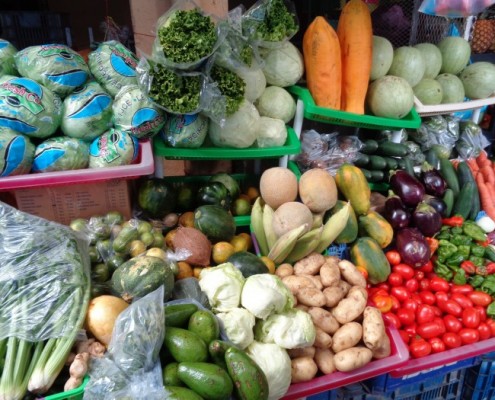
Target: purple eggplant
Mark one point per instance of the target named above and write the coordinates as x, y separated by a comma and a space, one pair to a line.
432, 180
412, 247
437, 203
407, 187
427, 219
395, 212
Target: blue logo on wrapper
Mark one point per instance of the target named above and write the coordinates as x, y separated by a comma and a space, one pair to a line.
13, 156
121, 66
72, 78
46, 157
93, 107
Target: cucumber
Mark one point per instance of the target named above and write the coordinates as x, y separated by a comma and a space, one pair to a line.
409, 166
401, 164
377, 162
376, 176
389, 148
448, 198
369, 146
432, 158
463, 202
392, 163
464, 173
476, 204
362, 160
366, 173
490, 252
449, 174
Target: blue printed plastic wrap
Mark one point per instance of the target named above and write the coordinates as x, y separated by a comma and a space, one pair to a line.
113, 148
16, 153
61, 154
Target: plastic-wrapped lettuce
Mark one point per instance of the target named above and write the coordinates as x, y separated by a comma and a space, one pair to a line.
113, 66
28, 107
185, 131
61, 153
87, 112
136, 114
55, 66
7, 63
112, 149
16, 153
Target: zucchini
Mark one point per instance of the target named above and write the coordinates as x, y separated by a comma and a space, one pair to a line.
449, 174
409, 166
392, 163
475, 205
362, 160
389, 148
448, 199
401, 164
369, 146
366, 173
490, 252
464, 173
432, 158
376, 176
463, 202
377, 162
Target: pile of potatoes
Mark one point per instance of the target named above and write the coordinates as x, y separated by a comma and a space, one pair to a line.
349, 333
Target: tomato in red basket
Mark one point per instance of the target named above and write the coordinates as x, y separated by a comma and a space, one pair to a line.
395, 279
406, 316
411, 330
441, 296
412, 285
464, 289
438, 284
451, 340
469, 336
491, 323
410, 304
393, 257
404, 270
462, 300
424, 284
419, 348
437, 345
450, 307
428, 267
470, 318
424, 313
452, 324
482, 312
430, 330
395, 303
392, 319
400, 292
484, 331
427, 297
480, 298
405, 336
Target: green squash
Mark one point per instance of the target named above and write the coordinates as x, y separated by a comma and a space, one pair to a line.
215, 222
156, 197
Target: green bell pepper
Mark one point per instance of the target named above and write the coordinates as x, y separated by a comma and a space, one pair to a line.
477, 250
456, 230
455, 259
443, 271
472, 230
476, 280
490, 310
461, 239
478, 261
445, 249
465, 250
460, 277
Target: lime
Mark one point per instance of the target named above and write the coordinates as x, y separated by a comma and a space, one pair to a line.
241, 207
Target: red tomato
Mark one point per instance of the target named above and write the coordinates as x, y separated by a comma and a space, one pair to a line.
482, 312
438, 284
393, 257
437, 311
382, 301
450, 307
441, 296
424, 284
470, 318
462, 300
395, 303
411, 330
404, 270
400, 292
464, 289
395, 279
419, 348
469, 336
410, 304
406, 316
428, 267
424, 313
452, 324
437, 346
451, 340
491, 323
480, 298
385, 286
429, 330
405, 336
392, 319
412, 285
427, 297
419, 275
484, 331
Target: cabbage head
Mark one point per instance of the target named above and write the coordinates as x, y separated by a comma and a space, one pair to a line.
223, 286
238, 325
284, 65
276, 102
272, 132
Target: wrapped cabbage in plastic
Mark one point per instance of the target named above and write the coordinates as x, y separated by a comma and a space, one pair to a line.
61, 154
7, 63
16, 153
28, 107
113, 66
272, 132
55, 66
87, 112
136, 114
187, 131
112, 149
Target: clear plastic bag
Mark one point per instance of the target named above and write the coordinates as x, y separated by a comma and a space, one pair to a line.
454, 8
328, 151
131, 368
439, 132
44, 277
198, 43
188, 288
471, 141
268, 23
185, 131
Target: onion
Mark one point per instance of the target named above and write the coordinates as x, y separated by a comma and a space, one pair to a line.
102, 313
193, 244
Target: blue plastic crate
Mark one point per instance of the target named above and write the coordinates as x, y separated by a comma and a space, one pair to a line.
350, 392
480, 380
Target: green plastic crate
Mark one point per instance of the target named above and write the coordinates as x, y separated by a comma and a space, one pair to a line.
210, 152
337, 117
74, 394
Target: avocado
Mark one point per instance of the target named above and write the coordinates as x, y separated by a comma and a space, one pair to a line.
208, 380
181, 393
205, 325
184, 345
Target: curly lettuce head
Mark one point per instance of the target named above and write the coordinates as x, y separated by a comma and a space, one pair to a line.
7, 53
61, 154
16, 153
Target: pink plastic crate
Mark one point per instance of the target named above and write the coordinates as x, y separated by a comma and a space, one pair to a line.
451, 356
399, 356
144, 165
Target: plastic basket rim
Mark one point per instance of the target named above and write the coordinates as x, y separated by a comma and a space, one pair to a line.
426, 110
145, 166
70, 393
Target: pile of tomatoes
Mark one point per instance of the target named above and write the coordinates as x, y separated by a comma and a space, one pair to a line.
431, 314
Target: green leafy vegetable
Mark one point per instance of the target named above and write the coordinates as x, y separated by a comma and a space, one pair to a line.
187, 36
230, 85
178, 93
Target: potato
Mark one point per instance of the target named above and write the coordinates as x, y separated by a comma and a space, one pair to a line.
309, 265
301, 306
383, 349
373, 327
322, 339
284, 270
344, 286
330, 274
323, 319
352, 306
333, 295
302, 352
350, 273
324, 360
303, 369
316, 280
294, 283
348, 335
311, 296
352, 358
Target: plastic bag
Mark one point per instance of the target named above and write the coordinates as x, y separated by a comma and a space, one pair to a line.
439, 132
44, 277
471, 140
131, 368
454, 8
328, 151
268, 23
185, 131
196, 36
188, 288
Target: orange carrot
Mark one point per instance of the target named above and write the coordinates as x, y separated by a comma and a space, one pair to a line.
471, 162
488, 174
485, 197
483, 160
455, 162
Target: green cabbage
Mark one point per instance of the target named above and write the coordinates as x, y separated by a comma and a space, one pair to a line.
7, 53
16, 153
276, 102
284, 65
238, 325
61, 154
112, 149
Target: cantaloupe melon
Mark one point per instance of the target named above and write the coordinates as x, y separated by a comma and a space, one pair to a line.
278, 186
291, 215
318, 190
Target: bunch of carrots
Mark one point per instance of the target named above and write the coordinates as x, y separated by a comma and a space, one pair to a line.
483, 170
